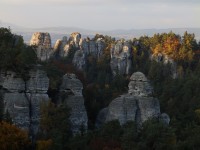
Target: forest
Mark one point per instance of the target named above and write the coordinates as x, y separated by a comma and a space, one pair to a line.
179, 97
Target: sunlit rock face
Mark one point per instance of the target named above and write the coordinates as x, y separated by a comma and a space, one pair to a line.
166, 60
71, 95
137, 105
61, 48
80, 47
120, 58
24, 97
75, 39
42, 41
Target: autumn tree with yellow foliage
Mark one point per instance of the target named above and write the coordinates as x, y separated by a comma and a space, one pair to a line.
176, 47
13, 138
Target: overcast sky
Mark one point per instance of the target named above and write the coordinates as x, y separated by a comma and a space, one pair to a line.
102, 14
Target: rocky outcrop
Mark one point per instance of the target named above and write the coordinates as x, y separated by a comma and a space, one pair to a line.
71, 94
139, 85
22, 99
166, 60
42, 41
82, 48
92, 47
61, 47
79, 60
75, 39
120, 58
137, 105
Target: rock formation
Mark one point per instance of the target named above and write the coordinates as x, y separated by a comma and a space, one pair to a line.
42, 41
24, 97
79, 60
166, 60
120, 58
71, 94
82, 48
94, 48
75, 39
137, 105
61, 47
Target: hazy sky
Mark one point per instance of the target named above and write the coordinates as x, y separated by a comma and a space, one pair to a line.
102, 14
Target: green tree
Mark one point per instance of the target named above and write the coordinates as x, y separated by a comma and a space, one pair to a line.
55, 125
130, 136
156, 136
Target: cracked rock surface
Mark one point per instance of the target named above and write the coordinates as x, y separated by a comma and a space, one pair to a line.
71, 94
137, 105
22, 99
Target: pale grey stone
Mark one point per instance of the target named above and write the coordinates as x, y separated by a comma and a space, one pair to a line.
137, 105
79, 60
75, 39
42, 41
71, 94
19, 95
166, 60
120, 58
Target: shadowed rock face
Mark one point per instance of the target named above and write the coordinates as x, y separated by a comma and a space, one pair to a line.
120, 58
137, 105
43, 43
61, 47
166, 60
94, 48
71, 94
139, 85
79, 60
81, 47
18, 95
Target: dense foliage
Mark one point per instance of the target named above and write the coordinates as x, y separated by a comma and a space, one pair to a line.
13, 138
15, 55
55, 126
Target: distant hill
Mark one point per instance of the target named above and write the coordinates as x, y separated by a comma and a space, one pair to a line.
59, 32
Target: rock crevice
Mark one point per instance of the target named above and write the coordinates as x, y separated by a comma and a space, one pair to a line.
71, 95
137, 105
22, 98
42, 41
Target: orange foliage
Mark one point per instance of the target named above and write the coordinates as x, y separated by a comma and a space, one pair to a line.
170, 46
12, 138
44, 144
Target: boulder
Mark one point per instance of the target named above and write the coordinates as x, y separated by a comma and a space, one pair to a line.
42, 41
